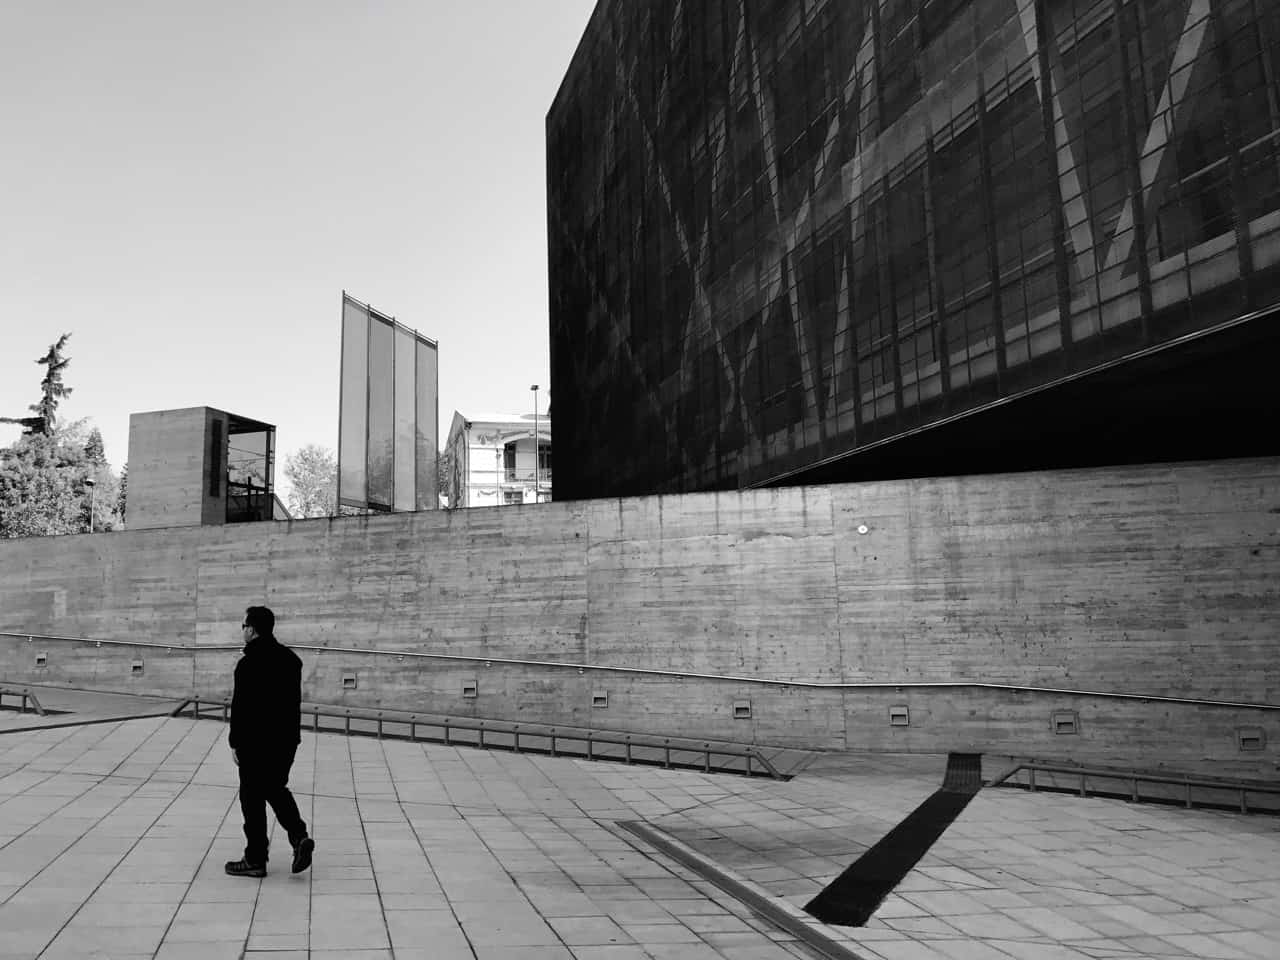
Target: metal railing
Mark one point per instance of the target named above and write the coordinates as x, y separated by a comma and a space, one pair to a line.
555, 741
1187, 784
678, 674
26, 699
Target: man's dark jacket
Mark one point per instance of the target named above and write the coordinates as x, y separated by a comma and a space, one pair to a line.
266, 708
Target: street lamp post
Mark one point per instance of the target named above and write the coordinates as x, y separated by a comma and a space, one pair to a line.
90, 483
534, 388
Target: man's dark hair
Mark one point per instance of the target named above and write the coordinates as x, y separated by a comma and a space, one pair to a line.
261, 619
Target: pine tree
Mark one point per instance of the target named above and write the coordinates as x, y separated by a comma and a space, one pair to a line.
52, 389
122, 496
42, 475
95, 450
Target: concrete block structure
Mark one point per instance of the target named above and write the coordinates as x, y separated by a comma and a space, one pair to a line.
798, 241
198, 467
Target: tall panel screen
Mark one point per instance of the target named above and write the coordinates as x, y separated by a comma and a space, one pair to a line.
405, 417
426, 437
381, 410
387, 437
353, 417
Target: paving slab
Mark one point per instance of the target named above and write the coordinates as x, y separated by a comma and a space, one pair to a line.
113, 836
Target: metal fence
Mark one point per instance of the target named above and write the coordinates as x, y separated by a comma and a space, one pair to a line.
556, 741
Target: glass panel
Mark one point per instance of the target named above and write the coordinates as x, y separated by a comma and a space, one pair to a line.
381, 410
249, 476
405, 414
427, 444
353, 418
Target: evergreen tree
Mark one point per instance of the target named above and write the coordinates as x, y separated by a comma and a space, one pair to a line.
52, 389
122, 495
42, 489
95, 450
42, 475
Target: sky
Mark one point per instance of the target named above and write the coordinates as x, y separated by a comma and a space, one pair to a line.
187, 188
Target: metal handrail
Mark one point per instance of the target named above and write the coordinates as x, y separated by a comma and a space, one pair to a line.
26, 697
683, 675
1187, 781
750, 755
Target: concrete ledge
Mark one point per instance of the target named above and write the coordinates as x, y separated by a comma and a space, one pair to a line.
779, 912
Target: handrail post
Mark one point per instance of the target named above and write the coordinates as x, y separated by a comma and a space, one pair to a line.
515, 732
413, 728
748, 763
1188, 782
481, 736
348, 729
706, 757
589, 756
379, 724
315, 717
1031, 779
667, 747
1083, 778
226, 712
446, 731
553, 741
1244, 800
628, 748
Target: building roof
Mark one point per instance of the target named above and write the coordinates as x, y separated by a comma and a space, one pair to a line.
462, 421
502, 417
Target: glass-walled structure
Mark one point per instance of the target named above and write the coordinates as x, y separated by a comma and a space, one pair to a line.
387, 434
840, 239
251, 467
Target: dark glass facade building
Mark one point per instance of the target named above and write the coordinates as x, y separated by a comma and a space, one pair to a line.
817, 240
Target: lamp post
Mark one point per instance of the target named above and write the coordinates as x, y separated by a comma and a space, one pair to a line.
90, 483
534, 388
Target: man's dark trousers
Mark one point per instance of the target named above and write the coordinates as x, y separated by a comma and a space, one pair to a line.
264, 778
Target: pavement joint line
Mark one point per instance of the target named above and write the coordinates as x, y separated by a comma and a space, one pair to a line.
84, 722
50, 774
777, 911
174, 746
364, 833
67, 737
212, 841
413, 829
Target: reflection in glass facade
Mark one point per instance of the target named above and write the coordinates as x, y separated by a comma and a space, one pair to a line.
426, 441
382, 409
353, 417
250, 470
787, 234
387, 436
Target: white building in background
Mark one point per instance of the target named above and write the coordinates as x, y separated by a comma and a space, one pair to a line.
492, 459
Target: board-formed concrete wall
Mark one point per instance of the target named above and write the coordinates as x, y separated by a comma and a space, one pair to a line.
1159, 581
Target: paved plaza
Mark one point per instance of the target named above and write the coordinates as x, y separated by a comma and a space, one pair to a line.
113, 838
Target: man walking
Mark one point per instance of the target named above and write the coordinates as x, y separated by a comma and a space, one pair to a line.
266, 717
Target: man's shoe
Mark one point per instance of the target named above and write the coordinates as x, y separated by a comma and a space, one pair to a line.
302, 854
243, 868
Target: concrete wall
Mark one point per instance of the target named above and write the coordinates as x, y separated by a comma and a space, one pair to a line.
1160, 581
169, 482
